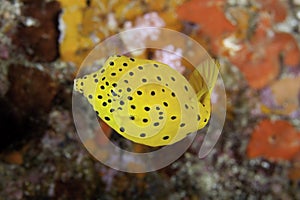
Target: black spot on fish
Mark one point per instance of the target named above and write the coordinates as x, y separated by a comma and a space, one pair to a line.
186, 88
129, 98
111, 63
146, 108
142, 135
165, 137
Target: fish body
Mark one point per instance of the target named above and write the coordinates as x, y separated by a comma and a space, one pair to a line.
146, 101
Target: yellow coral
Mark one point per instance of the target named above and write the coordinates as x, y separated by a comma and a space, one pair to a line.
86, 25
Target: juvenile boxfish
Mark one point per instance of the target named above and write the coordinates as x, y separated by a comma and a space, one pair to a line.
146, 101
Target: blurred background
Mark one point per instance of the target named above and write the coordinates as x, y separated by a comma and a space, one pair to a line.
43, 42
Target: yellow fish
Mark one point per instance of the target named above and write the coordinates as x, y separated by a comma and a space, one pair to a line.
149, 102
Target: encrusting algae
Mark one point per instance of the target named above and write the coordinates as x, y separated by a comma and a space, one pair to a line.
149, 102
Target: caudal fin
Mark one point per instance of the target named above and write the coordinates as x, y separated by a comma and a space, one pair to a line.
204, 77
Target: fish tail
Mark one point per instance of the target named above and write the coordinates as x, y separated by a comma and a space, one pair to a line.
204, 77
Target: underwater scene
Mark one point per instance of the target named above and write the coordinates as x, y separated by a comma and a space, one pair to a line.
144, 99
